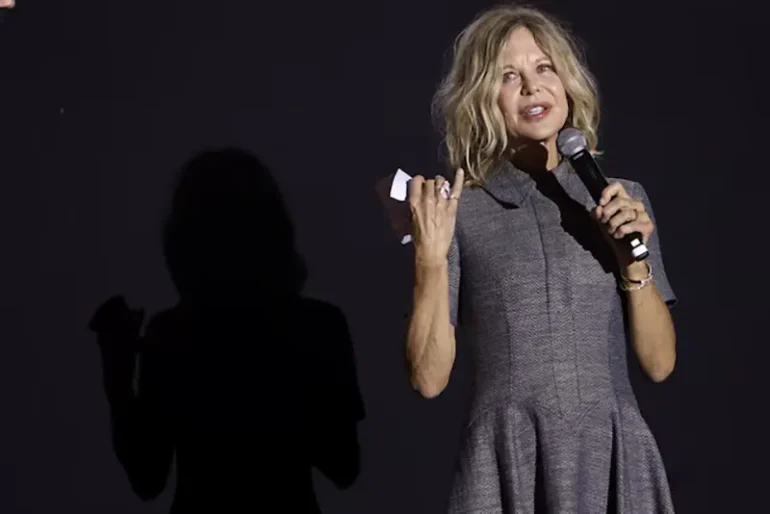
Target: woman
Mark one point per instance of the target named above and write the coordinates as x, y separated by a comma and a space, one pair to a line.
540, 290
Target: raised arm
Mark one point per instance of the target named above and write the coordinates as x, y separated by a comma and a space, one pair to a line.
430, 341
653, 336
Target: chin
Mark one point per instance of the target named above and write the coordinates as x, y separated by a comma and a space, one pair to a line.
540, 136
543, 133
545, 130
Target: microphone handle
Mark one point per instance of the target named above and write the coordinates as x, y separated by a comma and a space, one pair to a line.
593, 178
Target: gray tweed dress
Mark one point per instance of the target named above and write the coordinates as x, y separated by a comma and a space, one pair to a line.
553, 425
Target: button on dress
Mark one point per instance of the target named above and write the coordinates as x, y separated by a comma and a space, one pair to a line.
553, 425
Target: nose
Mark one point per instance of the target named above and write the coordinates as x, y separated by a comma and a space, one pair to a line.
530, 84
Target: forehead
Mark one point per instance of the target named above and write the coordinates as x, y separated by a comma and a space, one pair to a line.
521, 45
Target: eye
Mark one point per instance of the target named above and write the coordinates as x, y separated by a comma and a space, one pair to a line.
542, 68
510, 76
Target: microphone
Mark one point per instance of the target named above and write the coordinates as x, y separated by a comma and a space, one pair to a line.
572, 145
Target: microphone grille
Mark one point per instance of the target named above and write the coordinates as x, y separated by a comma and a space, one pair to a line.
570, 142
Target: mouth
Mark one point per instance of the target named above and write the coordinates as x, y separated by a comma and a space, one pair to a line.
534, 112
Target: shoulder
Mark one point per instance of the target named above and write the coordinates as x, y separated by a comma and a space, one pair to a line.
472, 194
473, 202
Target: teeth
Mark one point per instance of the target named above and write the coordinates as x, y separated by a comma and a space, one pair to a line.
535, 110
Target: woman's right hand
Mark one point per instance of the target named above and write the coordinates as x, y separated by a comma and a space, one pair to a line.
433, 217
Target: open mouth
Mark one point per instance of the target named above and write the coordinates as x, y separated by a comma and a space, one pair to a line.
535, 111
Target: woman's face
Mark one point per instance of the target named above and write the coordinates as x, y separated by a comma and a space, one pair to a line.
532, 96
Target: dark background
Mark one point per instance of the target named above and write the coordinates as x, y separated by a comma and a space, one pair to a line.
103, 100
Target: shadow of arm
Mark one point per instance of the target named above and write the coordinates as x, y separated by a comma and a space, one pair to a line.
338, 407
141, 432
337, 454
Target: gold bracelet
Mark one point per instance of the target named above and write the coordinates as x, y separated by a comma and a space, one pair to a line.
626, 284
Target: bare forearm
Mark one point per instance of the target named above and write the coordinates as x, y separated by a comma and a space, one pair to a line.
430, 344
652, 332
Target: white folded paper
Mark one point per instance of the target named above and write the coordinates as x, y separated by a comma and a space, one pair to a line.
398, 191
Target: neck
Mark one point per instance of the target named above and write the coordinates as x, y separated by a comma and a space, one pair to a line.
536, 156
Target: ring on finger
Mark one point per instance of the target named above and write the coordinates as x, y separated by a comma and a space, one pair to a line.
445, 189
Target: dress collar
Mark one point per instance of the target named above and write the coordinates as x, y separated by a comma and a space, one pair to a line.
511, 186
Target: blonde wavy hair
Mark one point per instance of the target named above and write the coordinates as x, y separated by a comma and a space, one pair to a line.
466, 105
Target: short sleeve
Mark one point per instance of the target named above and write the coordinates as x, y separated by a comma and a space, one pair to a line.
656, 256
454, 280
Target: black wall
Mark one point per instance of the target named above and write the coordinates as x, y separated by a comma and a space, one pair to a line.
103, 101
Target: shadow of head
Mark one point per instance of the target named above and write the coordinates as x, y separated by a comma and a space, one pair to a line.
228, 234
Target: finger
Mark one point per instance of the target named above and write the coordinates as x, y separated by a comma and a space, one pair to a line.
440, 197
429, 191
622, 217
634, 226
643, 217
613, 207
415, 190
611, 191
457, 187
643, 224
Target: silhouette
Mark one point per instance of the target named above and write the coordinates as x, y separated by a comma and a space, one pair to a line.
245, 383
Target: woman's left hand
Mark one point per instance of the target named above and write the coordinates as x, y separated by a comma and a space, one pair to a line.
618, 214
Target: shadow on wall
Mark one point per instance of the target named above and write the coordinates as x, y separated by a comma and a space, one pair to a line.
245, 383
